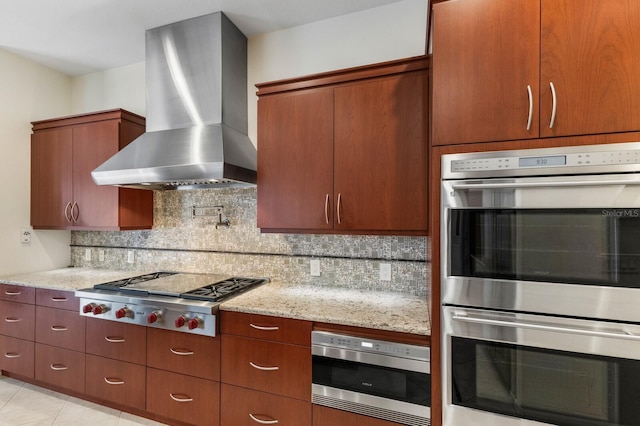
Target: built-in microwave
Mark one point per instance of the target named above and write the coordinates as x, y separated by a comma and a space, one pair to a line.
381, 379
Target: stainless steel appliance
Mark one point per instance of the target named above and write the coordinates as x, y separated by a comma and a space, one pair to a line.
540, 286
387, 380
169, 300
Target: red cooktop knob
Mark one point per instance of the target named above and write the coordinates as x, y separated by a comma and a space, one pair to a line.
153, 317
100, 309
121, 313
194, 323
88, 308
180, 321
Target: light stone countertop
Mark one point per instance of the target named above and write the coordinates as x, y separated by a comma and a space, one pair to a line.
378, 310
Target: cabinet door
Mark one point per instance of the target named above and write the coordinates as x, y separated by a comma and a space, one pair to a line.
125, 342
381, 153
94, 144
116, 381
590, 51
60, 367
295, 160
17, 320
61, 328
51, 175
486, 54
16, 356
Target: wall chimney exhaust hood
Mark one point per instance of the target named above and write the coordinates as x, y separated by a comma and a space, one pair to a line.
196, 94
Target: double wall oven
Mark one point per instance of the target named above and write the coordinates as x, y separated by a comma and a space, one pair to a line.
541, 286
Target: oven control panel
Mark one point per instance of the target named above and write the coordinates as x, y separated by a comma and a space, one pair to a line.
369, 345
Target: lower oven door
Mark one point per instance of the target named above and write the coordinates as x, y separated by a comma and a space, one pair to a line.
506, 369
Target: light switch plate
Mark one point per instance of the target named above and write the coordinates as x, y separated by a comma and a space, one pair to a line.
315, 267
385, 272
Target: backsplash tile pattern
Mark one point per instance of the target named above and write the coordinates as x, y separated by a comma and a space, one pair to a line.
181, 242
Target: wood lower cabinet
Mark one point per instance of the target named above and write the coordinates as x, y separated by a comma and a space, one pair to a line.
325, 416
110, 339
184, 398
17, 320
64, 151
62, 328
60, 367
17, 293
345, 152
59, 299
265, 327
116, 381
246, 407
17, 356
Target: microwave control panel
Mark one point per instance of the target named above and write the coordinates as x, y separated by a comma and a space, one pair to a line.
369, 345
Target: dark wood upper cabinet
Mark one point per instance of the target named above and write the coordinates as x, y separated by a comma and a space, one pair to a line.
64, 151
487, 54
345, 152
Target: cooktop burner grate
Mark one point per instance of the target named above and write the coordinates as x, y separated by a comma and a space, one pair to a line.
218, 291
119, 284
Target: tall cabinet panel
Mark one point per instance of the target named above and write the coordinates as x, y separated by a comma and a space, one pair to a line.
64, 151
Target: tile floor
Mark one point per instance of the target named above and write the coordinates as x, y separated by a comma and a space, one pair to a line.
26, 404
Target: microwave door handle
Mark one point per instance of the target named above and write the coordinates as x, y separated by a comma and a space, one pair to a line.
539, 327
548, 184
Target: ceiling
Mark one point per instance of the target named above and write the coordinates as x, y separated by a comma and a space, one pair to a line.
81, 36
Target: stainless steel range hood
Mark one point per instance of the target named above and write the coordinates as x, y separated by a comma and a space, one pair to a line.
196, 88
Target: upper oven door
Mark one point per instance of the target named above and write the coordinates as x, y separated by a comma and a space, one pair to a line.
528, 244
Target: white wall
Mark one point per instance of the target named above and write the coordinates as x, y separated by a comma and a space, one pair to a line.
28, 92
375, 35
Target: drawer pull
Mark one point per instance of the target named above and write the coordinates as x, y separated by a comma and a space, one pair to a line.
58, 367
263, 422
12, 293
12, 319
113, 381
59, 299
59, 328
182, 352
258, 367
113, 339
11, 355
181, 398
263, 328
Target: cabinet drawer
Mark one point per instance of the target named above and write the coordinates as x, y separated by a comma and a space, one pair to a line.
116, 381
277, 329
184, 353
240, 406
184, 398
267, 366
60, 367
57, 299
16, 356
110, 339
57, 327
17, 320
17, 293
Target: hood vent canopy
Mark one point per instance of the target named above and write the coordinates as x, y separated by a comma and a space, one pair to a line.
196, 90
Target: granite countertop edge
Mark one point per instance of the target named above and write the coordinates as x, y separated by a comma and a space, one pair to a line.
332, 305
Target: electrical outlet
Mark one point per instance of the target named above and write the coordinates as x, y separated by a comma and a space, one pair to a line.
25, 236
130, 257
315, 267
87, 255
385, 272
101, 255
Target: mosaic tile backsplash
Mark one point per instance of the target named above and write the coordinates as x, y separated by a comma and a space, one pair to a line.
183, 242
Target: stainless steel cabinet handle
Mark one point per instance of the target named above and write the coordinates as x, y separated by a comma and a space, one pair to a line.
181, 352
263, 422
554, 106
264, 328
543, 184
59, 328
259, 367
58, 367
11, 355
181, 398
558, 329
530, 107
66, 212
59, 299
75, 207
326, 209
12, 319
12, 293
112, 339
113, 381
338, 208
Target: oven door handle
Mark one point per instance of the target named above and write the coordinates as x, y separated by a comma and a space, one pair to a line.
543, 184
623, 334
